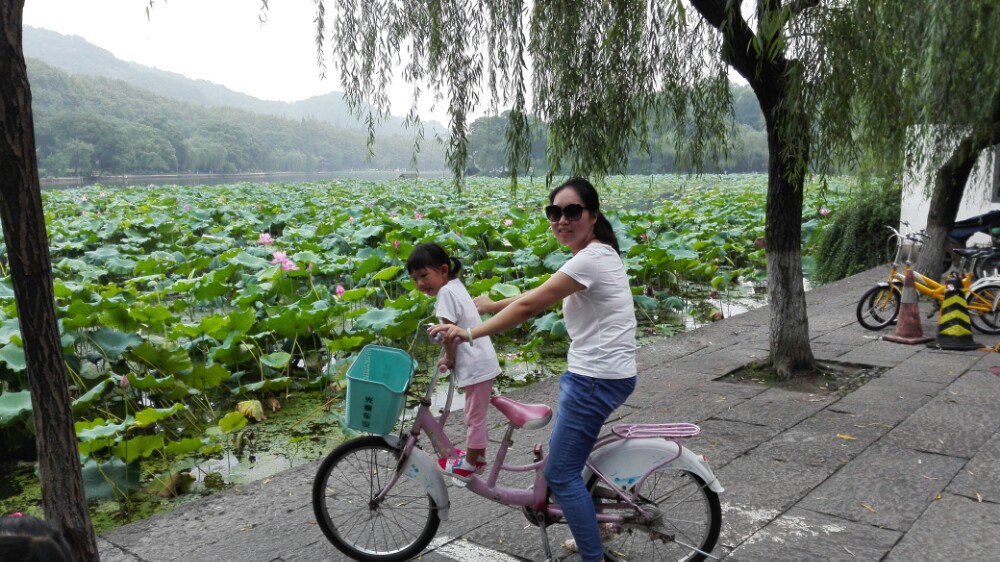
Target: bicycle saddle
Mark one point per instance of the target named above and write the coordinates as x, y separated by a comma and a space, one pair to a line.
973, 252
527, 416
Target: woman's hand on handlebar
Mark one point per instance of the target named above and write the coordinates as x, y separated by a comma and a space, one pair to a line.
450, 333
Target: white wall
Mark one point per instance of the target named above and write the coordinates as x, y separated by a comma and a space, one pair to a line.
976, 201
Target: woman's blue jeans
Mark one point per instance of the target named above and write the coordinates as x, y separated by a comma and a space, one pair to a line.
584, 404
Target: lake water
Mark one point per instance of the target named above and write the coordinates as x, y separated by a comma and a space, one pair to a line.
220, 179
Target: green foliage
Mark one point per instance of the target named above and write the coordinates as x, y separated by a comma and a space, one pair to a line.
176, 306
855, 239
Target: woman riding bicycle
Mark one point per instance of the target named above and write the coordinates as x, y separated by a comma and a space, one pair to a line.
600, 320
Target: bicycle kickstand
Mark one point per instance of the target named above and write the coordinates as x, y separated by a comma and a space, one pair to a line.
545, 541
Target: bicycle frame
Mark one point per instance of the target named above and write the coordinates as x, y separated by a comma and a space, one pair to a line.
650, 438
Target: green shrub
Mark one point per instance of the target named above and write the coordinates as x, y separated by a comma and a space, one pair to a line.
856, 238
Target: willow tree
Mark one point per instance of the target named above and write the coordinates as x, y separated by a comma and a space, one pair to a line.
921, 80
31, 272
595, 71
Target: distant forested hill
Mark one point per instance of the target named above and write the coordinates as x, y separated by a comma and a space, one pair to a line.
75, 55
87, 124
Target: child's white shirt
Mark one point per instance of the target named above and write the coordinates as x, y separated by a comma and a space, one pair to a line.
473, 363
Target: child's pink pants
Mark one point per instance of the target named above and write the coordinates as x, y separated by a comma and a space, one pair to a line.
477, 402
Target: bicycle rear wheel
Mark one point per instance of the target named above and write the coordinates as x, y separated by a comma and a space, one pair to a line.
687, 519
878, 307
397, 528
986, 321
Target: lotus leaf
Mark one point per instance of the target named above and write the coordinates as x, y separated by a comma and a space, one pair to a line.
231, 422
280, 383
109, 480
184, 446
251, 409
149, 416
112, 343
85, 401
139, 446
13, 356
505, 290
278, 360
166, 360
13, 405
203, 377
377, 319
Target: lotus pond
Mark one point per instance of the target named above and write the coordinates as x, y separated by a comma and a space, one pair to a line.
208, 329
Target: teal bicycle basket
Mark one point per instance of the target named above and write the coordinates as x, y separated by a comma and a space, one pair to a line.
376, 388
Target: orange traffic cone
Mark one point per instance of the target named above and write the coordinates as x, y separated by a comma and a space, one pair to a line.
908, 329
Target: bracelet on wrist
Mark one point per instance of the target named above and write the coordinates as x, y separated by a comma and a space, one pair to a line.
468, 332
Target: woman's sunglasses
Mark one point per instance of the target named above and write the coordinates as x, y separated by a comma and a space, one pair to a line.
573, 212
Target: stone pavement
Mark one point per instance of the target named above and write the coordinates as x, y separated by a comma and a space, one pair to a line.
920, 480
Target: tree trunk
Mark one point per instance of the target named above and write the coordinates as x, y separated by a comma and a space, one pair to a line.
789, 335
788, 158
949, 187
31, 271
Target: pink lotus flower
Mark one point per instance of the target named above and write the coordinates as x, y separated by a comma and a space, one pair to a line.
265, 239
824, 211
187, 207
395, 244
645, 236
350, 219
83, 198
392, 213
123, 382
340, 290
279, 257
417, 215
289, 265
103, 194
508, 222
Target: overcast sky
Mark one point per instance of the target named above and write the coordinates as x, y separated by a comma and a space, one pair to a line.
222, 41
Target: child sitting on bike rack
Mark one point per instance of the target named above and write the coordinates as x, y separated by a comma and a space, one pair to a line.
473, 367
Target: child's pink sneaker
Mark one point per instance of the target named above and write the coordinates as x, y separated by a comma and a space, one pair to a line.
458, 466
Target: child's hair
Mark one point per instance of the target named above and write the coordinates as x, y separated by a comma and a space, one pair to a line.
29, 539
430, 254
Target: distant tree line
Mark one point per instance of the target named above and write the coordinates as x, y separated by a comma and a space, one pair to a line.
96, 126
487, 145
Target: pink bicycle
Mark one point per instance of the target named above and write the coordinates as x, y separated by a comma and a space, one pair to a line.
383, 497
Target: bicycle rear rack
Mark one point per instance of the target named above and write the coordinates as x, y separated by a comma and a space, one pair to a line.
645, 430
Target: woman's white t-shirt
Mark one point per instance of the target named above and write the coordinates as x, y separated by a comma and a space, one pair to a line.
473, 363
600, 318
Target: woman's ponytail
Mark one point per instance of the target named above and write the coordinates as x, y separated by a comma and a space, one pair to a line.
605, 233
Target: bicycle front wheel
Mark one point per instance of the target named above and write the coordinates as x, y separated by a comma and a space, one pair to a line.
878, 307
686, 520
348, 480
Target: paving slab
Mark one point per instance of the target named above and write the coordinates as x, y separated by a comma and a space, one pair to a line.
759, 489
876, 402
799, 534
953, 528
776, 407
884, 486
946, 428
828, 439
879, 353
980, 477
722, 441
